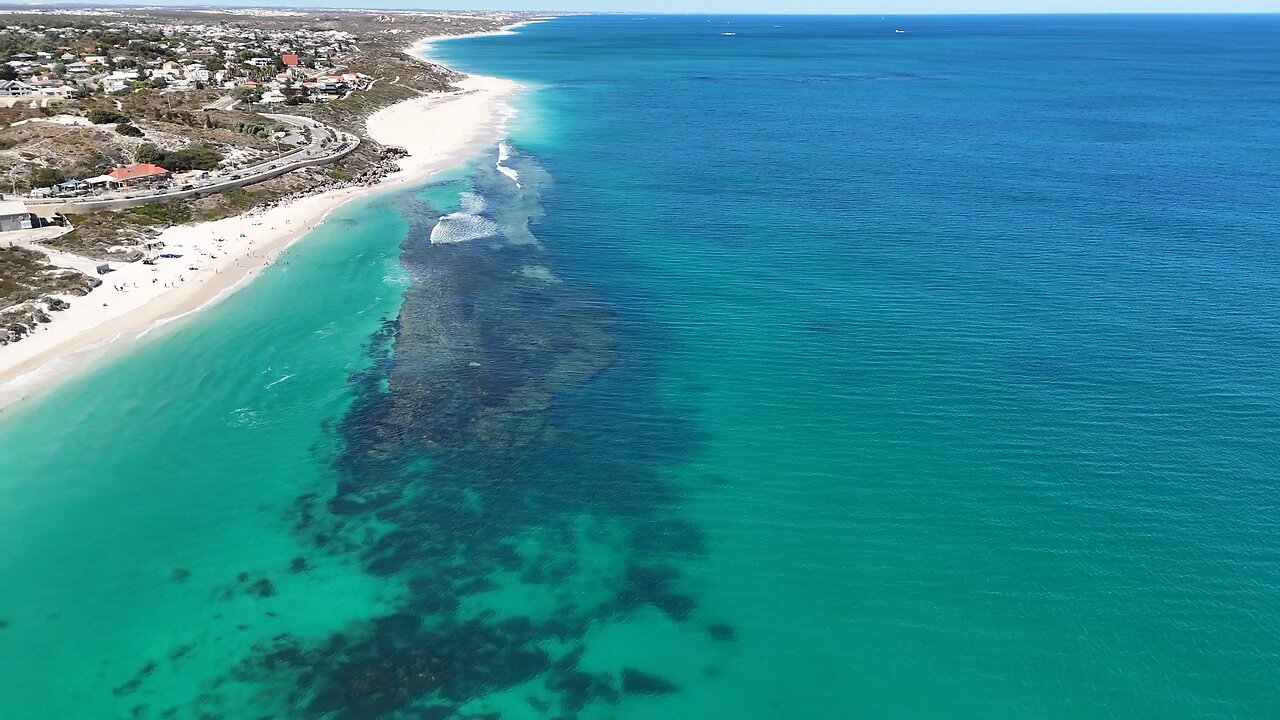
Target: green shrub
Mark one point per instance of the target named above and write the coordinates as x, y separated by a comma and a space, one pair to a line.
201, 157
173, 212
98, 116
128, 130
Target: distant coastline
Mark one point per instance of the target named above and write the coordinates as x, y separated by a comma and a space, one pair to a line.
223, 255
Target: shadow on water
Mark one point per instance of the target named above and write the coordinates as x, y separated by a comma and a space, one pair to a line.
506, 468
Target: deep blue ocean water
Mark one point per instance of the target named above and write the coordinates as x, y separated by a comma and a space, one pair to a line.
813, 369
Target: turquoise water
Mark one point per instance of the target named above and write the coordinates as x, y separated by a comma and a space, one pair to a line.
816, 370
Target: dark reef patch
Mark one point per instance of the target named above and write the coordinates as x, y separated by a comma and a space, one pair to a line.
132, 684
722, 632
507, 431
636, 682
181, 652
263, 588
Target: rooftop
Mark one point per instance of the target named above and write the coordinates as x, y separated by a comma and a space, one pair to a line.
129, 172
13, 207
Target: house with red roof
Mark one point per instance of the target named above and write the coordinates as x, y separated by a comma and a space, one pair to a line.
138, 174
289, 60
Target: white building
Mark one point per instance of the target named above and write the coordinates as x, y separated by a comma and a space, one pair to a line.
14, 215
119, 81
11, 88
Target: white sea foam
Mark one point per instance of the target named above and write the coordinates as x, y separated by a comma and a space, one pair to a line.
465, 224
470, 203
504, 152
270, 385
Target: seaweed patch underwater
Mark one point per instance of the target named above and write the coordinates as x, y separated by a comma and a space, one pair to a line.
504, 467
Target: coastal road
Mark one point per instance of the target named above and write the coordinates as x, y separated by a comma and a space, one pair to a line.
225, 102
326, 145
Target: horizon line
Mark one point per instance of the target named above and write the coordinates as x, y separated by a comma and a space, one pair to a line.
566, 13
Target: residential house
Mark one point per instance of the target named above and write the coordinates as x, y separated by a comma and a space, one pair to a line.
198, 72
119, 81
11, 88
327, 87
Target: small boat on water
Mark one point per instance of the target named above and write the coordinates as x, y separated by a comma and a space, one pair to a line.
899, 30
728, 33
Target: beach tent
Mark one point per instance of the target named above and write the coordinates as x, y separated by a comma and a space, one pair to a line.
69, 184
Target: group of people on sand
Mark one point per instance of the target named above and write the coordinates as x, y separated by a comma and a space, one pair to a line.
125, 287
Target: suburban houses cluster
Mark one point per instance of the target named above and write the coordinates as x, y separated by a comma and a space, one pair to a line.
261, 66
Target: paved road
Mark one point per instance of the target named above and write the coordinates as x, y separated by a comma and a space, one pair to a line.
327, 145
226, 102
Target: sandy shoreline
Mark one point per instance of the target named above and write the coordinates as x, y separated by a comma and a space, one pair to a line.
220, 256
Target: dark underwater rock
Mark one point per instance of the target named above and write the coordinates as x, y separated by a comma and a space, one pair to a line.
262, 588
722, 632
499, 412
636, 682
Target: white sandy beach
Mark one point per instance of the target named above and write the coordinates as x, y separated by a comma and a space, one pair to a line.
439, 131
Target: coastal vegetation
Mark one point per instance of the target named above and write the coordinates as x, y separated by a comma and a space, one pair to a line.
201, 157
99, 116
29, 286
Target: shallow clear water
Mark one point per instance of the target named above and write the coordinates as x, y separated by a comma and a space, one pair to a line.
817, 370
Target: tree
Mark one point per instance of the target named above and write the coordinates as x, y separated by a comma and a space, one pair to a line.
8, 73
44, 177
